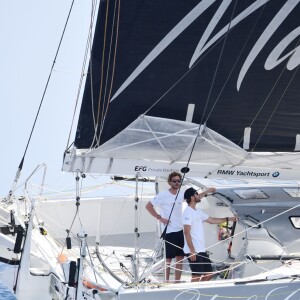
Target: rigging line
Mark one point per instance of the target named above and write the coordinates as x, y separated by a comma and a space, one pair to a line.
105, 107
39, 109
90, 259
184, 75
102, 64
189, 70
157, 139
269, 95
178, 133
113, 228
181, 182
215, 144
265, 101
255, 226
274, 110
94, 141
218, 64
77, 209
185, 170
90, 71
154, 265
163, 235
182, 179
269, 120
236, 61
69, 230
88, 46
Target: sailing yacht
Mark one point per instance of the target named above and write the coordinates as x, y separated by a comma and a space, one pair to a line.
203, 87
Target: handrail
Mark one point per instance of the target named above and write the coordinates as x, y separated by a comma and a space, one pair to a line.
39, 166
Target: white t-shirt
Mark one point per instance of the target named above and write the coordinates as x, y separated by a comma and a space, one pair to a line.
164, 201
195, 218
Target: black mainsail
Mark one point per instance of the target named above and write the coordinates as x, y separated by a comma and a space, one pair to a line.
236, 61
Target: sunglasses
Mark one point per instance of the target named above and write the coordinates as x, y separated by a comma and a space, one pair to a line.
174, 181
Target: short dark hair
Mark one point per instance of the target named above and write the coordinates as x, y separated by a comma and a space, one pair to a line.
173, 174
188, 194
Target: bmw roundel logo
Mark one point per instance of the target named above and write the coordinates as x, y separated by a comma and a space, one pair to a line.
275, 174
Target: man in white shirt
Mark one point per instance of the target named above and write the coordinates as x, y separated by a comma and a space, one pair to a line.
194, 240
172, 218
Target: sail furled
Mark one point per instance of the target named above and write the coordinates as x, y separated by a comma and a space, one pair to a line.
171, 141
155, 146
237, 61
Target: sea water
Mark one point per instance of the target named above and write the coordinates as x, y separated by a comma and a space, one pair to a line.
5, 294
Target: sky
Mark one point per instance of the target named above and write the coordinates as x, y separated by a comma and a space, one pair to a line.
30, 32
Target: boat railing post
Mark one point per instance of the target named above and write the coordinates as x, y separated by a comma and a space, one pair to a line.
135, 258
40, 166
19, 204
82, 237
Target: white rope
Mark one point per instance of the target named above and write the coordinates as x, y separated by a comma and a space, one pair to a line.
251, 227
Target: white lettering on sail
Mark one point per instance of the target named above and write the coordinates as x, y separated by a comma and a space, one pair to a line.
266, 35
209, 29
202, 47
166, 41
273, 59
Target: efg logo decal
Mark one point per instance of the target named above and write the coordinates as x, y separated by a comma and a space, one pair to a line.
140, 168
275, 174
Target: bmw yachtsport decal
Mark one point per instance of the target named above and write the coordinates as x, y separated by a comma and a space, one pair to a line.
247, 173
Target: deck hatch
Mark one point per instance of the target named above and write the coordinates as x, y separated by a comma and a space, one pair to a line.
251, 194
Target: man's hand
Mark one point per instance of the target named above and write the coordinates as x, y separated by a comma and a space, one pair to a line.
193, 256
164, 221
211, 190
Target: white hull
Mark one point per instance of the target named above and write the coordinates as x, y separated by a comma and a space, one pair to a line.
46, 275
214, 290
38, 287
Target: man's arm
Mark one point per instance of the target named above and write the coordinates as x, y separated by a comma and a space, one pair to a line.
208, 191
152, 211
188, 238
212, 220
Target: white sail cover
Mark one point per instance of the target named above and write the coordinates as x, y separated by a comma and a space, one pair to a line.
170, 140
155, 146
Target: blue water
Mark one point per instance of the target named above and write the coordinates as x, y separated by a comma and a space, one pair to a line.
5, 294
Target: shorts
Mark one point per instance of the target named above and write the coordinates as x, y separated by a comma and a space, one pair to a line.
174, 242
202, 264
